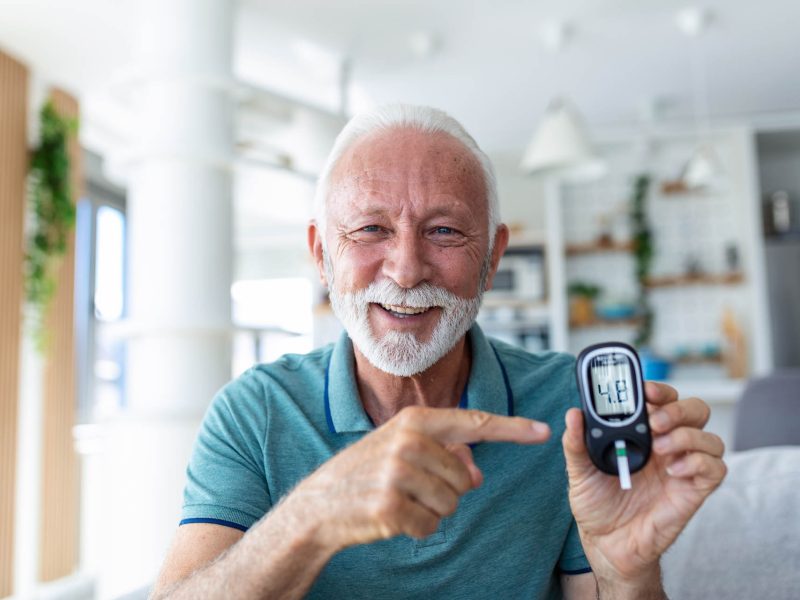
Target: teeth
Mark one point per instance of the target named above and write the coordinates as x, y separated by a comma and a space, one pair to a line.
405, 310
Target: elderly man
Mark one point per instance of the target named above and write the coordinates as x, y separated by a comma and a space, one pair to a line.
372, 468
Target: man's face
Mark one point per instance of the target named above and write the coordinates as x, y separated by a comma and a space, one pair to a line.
407, 246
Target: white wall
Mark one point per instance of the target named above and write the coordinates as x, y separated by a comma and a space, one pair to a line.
522, 198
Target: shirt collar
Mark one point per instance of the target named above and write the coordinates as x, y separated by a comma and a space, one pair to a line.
488, 388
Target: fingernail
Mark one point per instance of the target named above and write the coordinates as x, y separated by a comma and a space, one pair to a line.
661, 444
659, 420
540, 428
677, 468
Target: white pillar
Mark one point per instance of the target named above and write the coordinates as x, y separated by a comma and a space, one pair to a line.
179, 274
28, 514
556, 268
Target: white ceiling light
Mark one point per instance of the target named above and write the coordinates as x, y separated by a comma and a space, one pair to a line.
703, 170
560, 146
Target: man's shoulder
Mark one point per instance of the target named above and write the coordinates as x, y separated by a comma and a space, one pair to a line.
311, 364
292, 376
518, 357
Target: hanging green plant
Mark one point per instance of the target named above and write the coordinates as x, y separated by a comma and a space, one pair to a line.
643, 256
52, 211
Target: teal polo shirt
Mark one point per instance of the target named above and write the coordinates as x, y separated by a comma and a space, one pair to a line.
510, 538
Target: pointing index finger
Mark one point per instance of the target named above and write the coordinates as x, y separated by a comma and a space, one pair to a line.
464, 426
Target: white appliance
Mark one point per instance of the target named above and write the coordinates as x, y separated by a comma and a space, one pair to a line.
520, 276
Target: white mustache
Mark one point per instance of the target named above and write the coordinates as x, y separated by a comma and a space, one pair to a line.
396, 352
424, 295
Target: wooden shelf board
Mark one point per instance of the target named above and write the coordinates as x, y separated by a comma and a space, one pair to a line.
708, 279
677, 189
597, 248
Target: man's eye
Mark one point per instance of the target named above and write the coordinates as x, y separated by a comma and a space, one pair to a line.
371, 229
444, 230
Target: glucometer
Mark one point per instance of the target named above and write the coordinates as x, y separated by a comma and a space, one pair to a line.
614, 413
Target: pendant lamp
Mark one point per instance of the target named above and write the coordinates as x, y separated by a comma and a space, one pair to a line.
703, 170
560, 146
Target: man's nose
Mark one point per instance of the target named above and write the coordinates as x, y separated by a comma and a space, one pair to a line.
406, 262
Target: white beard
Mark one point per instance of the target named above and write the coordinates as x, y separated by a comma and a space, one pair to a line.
401, 353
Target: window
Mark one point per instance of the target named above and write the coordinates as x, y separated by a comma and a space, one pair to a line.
100, 299
109, 355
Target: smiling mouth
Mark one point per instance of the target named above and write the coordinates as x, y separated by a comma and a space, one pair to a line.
403, 312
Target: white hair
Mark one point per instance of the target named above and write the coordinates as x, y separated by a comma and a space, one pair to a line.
405, 116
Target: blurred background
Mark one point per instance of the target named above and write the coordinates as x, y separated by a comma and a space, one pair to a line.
648, 161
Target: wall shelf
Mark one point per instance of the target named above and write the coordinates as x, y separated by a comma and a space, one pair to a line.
705, 279
598, 248
678, 190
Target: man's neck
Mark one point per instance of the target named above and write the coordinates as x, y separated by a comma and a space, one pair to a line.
384, 395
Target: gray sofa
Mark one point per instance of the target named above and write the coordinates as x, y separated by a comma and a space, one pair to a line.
768, 413
744, 542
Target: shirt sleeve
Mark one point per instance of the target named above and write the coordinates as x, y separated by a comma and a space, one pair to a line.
573, 560
226, 481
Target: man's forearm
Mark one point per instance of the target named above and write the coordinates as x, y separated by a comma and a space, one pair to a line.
279, 557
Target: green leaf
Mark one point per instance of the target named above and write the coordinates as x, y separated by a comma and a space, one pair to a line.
643, 254
52, 209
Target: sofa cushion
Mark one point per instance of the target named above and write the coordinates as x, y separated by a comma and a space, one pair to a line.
744, 542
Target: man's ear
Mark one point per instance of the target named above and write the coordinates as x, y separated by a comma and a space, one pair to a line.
315, 247
500, 245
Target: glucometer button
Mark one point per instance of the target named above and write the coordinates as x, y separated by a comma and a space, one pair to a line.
596, 432
641, 428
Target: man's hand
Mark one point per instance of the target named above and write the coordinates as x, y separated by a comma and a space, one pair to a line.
405, 476
400, 479
625, 532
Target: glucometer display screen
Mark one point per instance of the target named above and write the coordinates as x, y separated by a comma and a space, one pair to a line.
613, 391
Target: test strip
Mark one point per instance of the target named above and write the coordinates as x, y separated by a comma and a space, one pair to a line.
622, 465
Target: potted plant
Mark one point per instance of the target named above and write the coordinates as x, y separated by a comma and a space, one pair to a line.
51, 212
581, 304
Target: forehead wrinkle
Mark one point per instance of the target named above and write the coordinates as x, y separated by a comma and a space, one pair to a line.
371, 198
371, 184
426, 159
427, 151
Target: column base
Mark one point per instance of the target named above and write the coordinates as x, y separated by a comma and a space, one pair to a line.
133, 474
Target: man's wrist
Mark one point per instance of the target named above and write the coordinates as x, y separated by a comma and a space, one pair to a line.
647, 586
300, 531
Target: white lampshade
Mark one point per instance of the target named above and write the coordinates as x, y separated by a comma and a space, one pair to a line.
703, 171
561, 147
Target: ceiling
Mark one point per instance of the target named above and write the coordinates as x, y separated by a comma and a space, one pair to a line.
484, 61
493, 71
